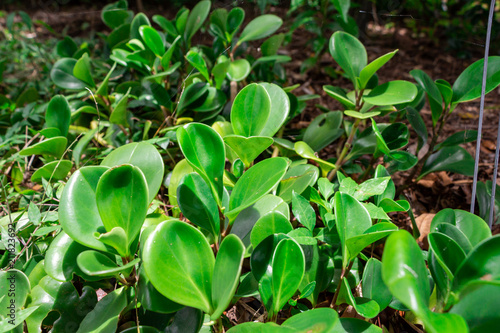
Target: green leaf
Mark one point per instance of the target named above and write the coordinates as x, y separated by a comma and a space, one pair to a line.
181, 168
204, 150
58, 114
472, 226
95, 263
255, 183
405, 274
457, 138
104, 317
144, 156
82, 70
378, 231
271, 45
152, 39
55, 146
119, 114
60, 259
180, 264
196, 19
238, 70
454, 159
480, 266
303, 211
260, 27
297, 179
219, 71
468, 85
78, 213
366, 73
360, 115
262, 258
62, 74
139, 20
456, 234
353, 325
304, 151
248, 149
122, 200
116, 14
197, 203
484, 298
373, 286
312, 321
14, 288
323, 130
273, 222
418, 125
342, 6
165, 59
340, 95
352, 220
280, 108
66, 47
392, 93
365, 307
52, 171
82, 144
250, 110
197, 61
151, 299
349, 53
227, 271
371, 187
287, 271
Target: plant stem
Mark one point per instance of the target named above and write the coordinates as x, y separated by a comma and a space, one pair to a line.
345, 150
342, 275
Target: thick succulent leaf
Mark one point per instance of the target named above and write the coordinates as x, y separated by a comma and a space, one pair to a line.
55, 146
323, 130
204, 150
78, 213
260, 27
198, 204
122, 200
62, 75
373, 286
227, 271
255, 183
151, 299
250, 111
453, 159
392, 93
52, 171
272, 223
349, 53
370, 69
58, 114
248, 149
280, 108
196, 18
179, 263
95, 263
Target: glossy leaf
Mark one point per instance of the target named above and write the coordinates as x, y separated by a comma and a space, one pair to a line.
480, 265
14, 288
373, 286
227, 271
418, 125
468, 85
303, 211
181, 169
78, 213
305, 151
248, 149
204, 150
122, 200
448, 253
378, 231
55, 146
457, 138
104, 317
255, 183
197, 61
297, 179
323, 130
52, 171
82, 70
58, 114
152, 39
365, 307
119, 114
360, 115
260, 27
353, 325
273, 222
340, 95
313, 321
197, 203
349, 53
139, 20
391, 93
196, 18
287, 271
62, 75
95, 263
250, 110
454, 159
280, 108
352, 219
151, 299
238, 70
179, 263
144, 156
369, 70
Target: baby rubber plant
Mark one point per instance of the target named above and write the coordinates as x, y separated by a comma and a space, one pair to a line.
367, 100
443, 99
464, 274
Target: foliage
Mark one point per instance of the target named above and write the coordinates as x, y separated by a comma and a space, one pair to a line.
165, 175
